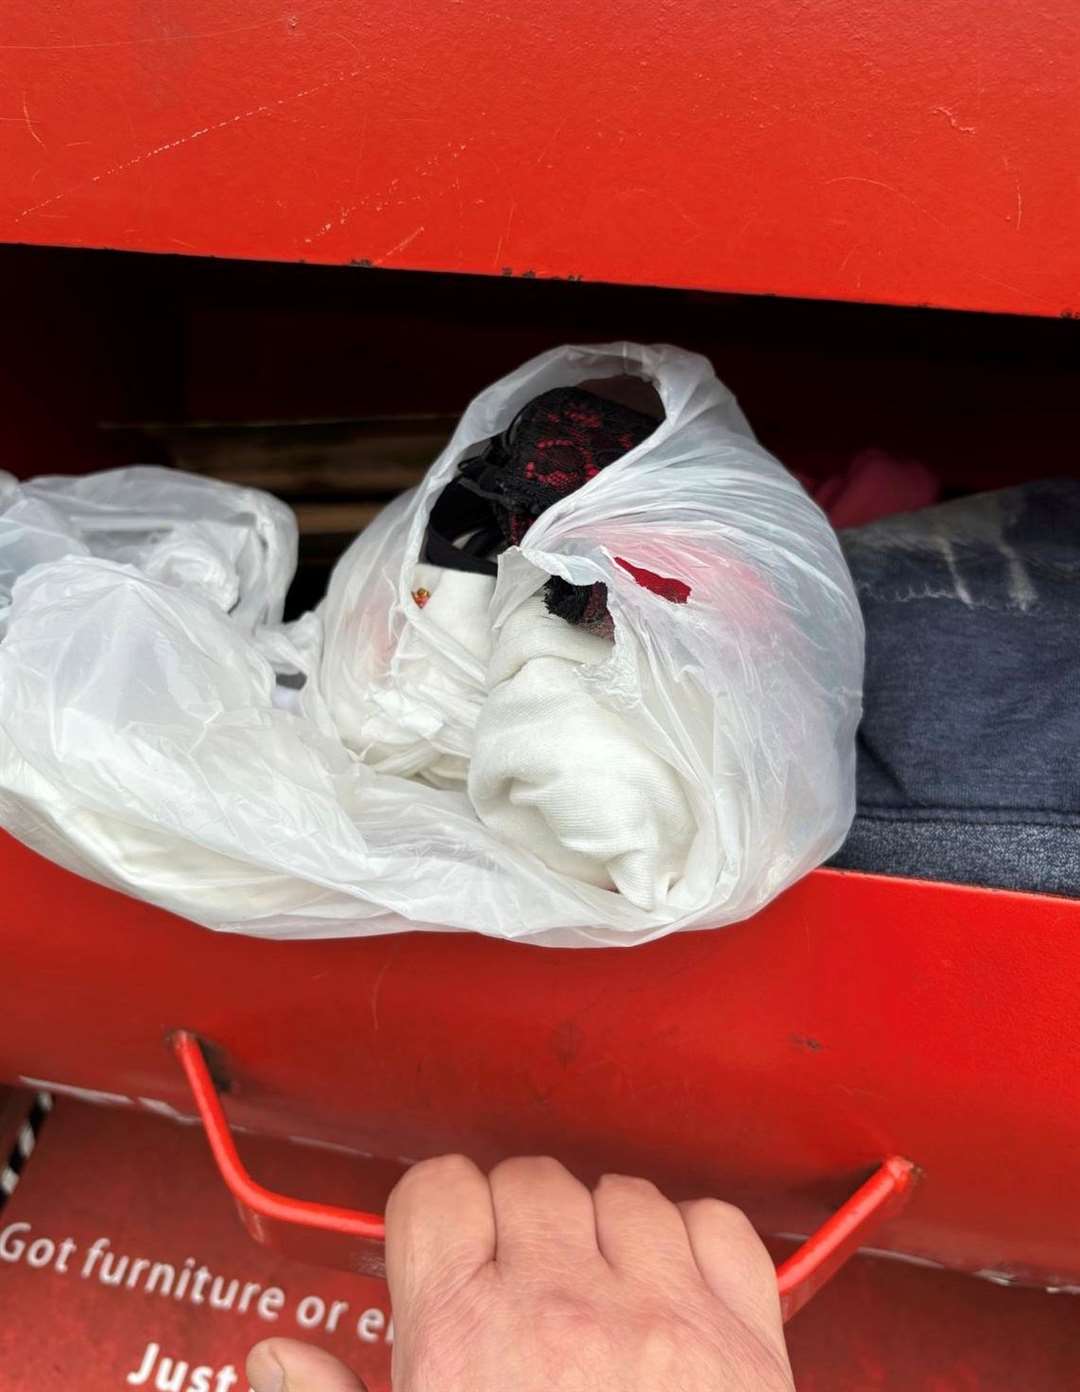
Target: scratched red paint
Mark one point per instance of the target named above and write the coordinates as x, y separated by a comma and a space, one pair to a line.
910, 154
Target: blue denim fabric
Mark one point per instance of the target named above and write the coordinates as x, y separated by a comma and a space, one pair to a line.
969, 748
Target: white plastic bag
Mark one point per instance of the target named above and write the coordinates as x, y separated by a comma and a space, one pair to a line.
141, 742
236, 546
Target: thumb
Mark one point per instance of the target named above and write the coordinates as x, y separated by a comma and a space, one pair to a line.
284, 1365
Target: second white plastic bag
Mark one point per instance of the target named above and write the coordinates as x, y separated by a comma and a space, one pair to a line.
235, 546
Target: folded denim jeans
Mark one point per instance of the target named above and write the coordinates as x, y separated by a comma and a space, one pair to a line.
969, 747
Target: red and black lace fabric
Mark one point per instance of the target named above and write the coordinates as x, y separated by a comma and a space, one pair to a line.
557, 443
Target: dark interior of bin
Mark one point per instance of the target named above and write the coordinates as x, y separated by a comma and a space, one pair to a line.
105, 355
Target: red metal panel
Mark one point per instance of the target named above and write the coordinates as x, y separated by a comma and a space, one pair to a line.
913, 154
354, 1240
149, 1188
329, 1235
887, 1327
104, 1191
773, 1063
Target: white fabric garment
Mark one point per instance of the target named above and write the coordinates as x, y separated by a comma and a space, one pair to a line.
417, 721
550, 769
557, 773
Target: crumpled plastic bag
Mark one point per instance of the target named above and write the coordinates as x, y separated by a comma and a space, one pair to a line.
235, 546
144, 743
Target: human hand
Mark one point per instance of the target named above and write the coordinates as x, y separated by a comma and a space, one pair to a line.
525, 1280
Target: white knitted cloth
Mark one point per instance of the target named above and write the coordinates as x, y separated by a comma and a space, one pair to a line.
559, 774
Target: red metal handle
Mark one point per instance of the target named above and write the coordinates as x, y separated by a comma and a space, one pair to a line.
342, 1237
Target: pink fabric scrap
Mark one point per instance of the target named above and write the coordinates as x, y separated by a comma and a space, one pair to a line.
874, 485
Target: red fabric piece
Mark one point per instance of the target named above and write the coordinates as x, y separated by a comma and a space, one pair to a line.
677, 591
874, 485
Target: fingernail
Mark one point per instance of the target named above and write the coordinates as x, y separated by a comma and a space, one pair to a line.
265, 1373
